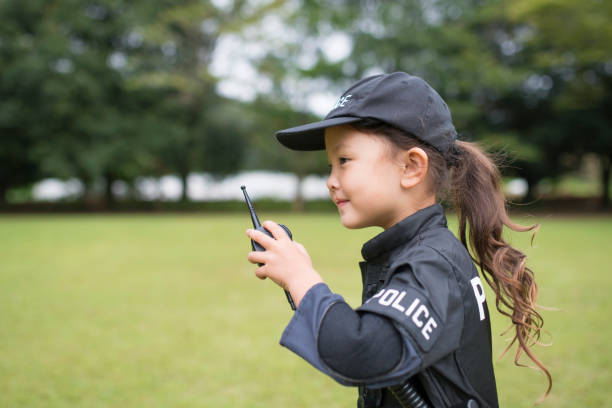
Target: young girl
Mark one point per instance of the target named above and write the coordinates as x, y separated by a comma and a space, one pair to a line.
422, 336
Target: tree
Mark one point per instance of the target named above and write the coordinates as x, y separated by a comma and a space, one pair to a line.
209, 135
22, 73
568, 48
75, 113
107, 90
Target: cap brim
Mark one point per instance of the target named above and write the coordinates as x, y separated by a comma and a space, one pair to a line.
312, 135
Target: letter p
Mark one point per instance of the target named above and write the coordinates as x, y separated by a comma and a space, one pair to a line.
479, 294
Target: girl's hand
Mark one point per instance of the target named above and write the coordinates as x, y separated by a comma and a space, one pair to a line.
284, 261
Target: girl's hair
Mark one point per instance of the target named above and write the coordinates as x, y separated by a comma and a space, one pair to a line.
470, 178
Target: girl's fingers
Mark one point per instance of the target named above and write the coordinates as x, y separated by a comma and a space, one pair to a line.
257, 257
276, 230
259, 237
260, 273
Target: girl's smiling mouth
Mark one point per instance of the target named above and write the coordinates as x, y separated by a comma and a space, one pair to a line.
341, 202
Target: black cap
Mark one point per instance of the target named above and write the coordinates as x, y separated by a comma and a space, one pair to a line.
401, 100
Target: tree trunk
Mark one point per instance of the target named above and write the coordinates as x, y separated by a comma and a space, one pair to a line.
606, 169
532, 183
109, 199
3, 191
530, 196
183, 176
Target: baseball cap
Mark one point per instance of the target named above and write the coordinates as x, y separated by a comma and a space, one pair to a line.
401, 100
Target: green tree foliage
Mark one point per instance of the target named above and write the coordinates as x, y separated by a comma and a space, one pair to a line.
103, 90
207, 130
568, 51
21, 75
79, 117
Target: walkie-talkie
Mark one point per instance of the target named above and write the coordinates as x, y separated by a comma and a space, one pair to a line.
257, 225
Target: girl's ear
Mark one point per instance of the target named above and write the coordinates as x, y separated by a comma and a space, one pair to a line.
415, 162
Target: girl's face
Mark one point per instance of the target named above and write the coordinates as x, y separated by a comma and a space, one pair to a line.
364, 180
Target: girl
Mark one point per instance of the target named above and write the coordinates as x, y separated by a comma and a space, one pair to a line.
424, 320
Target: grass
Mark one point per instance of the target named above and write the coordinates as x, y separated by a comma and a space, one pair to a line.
164, 311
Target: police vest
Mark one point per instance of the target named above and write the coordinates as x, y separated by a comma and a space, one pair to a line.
451, 373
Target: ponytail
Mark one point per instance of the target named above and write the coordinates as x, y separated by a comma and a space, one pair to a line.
476, 193
473, 181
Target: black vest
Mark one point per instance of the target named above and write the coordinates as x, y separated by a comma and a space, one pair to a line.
456, 377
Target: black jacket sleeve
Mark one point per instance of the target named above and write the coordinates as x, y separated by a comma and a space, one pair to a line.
352, 347
358, 345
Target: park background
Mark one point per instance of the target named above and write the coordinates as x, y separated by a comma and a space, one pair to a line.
127, 128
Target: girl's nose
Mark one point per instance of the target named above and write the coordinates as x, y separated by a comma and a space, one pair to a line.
332, 182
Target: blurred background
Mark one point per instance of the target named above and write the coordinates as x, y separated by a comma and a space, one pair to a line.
127, 128
120, 104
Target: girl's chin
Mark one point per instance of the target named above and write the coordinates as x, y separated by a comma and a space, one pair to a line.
351, 223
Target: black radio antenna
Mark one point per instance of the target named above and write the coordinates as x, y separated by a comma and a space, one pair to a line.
254, 218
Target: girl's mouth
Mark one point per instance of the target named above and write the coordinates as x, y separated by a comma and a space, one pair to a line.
341, 203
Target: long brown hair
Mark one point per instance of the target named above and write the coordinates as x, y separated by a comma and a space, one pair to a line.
469, 177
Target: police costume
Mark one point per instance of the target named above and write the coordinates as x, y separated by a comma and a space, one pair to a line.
424, 318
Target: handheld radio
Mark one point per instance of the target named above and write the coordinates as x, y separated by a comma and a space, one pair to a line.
257, 225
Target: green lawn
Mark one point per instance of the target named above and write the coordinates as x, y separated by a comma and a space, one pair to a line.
164, 311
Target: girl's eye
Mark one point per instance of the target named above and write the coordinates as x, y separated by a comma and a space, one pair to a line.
341, 161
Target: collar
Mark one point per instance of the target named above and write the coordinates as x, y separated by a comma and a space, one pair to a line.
404, 231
